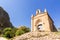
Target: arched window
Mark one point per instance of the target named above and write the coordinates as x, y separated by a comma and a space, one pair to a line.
40, 27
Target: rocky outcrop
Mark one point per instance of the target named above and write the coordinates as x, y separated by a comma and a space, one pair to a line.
4, 19
38, 36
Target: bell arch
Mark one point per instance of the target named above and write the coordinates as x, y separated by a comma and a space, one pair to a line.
39, 25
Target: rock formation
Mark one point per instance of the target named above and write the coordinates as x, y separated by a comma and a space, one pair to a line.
39, 36
4, 19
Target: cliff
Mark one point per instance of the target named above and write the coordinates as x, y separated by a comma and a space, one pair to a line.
4, 19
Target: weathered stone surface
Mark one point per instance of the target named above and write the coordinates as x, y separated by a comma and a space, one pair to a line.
2, 38
38, 36
4, 19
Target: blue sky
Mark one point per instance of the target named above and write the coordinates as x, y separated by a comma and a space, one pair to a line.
20, 11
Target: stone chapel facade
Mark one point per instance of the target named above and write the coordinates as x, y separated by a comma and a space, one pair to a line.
42, 22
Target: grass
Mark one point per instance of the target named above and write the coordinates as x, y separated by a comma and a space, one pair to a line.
58, 33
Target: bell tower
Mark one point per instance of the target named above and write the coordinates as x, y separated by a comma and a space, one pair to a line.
42, 22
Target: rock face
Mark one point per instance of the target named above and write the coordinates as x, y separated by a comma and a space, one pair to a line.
38, 36
4, 19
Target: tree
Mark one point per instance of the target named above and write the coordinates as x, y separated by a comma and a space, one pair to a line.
11, 32
8, 33
19, 32
7, 29
25, 29
22, 30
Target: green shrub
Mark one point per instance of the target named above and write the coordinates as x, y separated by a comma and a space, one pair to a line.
24, 28
8, 33
12, 32
19, 32
58, 33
